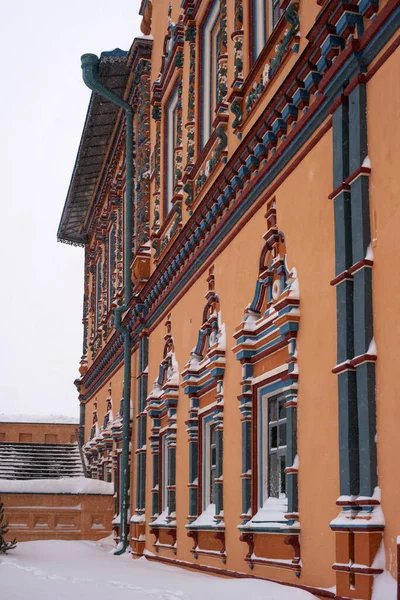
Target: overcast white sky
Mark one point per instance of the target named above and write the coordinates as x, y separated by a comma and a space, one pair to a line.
43, 103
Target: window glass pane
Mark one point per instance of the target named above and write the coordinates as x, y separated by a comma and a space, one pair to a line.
213, 463
282, 434
273, 436
282, 475
276, 12
282, 409
272, 409
273, 481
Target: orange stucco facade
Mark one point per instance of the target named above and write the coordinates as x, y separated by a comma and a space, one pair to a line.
57, 516
39, 433
262, 324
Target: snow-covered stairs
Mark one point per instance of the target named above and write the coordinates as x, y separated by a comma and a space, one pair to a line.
39, 461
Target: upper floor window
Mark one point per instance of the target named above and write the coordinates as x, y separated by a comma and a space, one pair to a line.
170, 146
264, 17
111, 265
164, 473
209, 461
98, 294
210, 53
272, 432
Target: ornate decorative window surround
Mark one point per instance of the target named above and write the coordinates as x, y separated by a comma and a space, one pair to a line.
203, 383
269, 326
161, 406
209, 51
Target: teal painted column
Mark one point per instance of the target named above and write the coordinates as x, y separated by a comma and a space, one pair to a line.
347, 388
291, 452
171, 493
142, 423
193, 433
246, 410
155, 489
363, 314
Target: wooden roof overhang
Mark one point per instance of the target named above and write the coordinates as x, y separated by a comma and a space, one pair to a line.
100, 121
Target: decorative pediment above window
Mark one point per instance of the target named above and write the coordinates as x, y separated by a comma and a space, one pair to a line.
206, 365
163, 398
273, 314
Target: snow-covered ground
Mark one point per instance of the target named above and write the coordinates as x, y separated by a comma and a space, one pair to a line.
71, 570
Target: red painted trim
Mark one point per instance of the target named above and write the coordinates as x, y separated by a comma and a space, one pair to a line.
357, 173
345, 366
363, 358
365, 262
270, 562
238, 575
345, 276
379, 20
343, 187
382, 61
366, 529
358, 80
360, 570
352, 47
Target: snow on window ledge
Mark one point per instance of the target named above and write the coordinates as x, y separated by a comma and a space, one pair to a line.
164, 520
271, 516
206, 520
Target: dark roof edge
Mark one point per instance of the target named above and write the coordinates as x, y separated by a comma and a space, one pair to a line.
113, 56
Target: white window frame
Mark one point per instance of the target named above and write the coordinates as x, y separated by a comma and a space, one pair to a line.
264, 450
209, 81
97, 315
171, 140
259, 27
164, 474
271, 23
208, 424
111, 235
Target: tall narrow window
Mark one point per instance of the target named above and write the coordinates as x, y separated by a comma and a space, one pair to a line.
170, 146
273, 442
276, 13
111, 265
276, 448
259, 26
164, 473
265, 16
209, 461
210, 55
213, 463
98, 293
